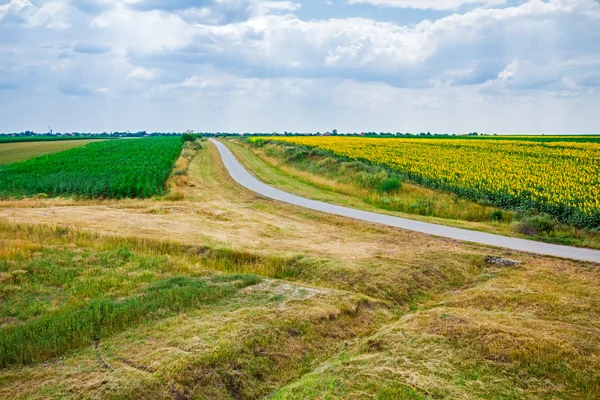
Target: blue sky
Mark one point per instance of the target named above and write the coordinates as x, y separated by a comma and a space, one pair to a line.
510, 66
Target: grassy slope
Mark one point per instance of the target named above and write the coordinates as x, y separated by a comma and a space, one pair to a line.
317, 187
528, 333
459, 328
189, 346
20, 151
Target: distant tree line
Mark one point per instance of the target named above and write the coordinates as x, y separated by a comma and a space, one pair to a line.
333, 132
90, 134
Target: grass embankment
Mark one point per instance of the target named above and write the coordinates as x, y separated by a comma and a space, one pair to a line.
113, 168
11, 152
528, 333
321, 176
132, 318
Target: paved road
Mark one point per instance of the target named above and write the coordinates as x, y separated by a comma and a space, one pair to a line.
244, 178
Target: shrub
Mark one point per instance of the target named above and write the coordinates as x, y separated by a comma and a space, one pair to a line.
525, 228
536, 224
542, 223
256, 142
191, 137
370, 180
175, 195
296, 153
497, 215
389, 185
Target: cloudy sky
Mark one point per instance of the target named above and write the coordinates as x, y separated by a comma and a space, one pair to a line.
308, 65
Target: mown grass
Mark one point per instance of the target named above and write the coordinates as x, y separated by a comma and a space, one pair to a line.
79, 295
528, 333
284, 350
52, 335
79, 287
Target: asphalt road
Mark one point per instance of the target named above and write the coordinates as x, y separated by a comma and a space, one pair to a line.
244, 178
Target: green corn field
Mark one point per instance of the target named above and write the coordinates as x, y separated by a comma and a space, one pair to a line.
109, 169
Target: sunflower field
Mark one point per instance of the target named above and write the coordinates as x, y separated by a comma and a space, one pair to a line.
561, 178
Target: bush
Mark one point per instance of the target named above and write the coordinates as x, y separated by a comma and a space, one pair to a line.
370, 180
526, 229
190, 137
256, 142
389, 185
542, 223
296, 154
536, 224
497, 215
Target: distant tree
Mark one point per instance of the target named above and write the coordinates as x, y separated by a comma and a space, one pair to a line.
334, 132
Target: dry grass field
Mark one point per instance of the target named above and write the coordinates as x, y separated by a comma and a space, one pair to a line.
289, 304
21, 151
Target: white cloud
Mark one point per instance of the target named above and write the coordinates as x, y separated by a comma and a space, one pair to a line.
358, 43
428, 4
143, 74
508, 72
145, 31
248, 64
16, 9
53, 14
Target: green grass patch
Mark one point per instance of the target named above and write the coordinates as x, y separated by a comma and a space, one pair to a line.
54, 334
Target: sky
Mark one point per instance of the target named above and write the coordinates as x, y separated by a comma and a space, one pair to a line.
445, 66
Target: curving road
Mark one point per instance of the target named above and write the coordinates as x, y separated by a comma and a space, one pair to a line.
244, 178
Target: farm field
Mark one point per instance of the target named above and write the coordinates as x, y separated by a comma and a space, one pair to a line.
559, 178
285, 303
112, 168
322, 176
31, 139
37, 138
19, 151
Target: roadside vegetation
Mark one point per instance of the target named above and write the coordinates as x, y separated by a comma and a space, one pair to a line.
387, 189
179, 176
107, 169
557, 178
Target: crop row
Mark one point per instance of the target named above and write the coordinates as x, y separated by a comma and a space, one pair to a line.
113, 168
